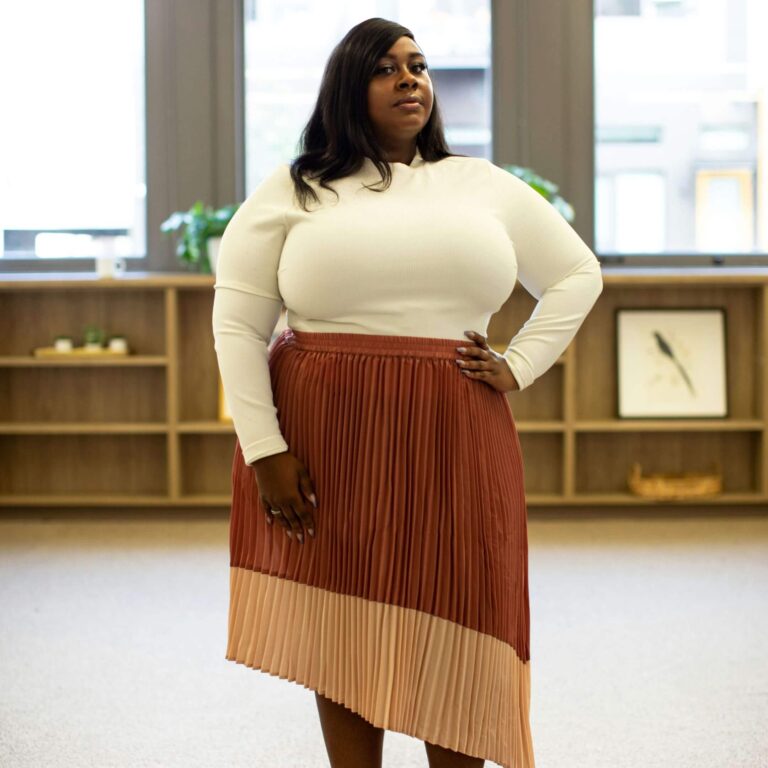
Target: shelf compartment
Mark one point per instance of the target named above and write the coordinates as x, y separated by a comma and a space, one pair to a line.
33, 318
542, 462
543, 400
82, 394
74, 465
206, 464
198, 367
604, 459
596, 387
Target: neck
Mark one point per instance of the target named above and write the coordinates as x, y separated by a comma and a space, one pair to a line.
401, 154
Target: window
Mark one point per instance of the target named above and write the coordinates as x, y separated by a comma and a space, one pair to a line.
618, 7
621, 195
287, 45
72, 141
680, 144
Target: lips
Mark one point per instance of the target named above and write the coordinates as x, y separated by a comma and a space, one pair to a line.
408, 100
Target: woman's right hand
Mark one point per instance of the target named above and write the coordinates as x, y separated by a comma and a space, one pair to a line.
283, 483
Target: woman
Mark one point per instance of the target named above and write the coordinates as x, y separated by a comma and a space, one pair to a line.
376, 430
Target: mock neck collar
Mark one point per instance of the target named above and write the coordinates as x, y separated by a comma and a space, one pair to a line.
417, 161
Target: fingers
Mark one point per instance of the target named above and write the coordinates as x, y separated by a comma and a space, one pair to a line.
478, 361
477, 338
475, 368
476, 358
302, 520
274, 511
294, 514
287, 495
293, 523
305, 484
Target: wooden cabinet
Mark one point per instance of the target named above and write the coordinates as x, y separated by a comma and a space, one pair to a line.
143, 430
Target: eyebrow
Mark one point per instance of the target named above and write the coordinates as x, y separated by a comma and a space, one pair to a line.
410, 55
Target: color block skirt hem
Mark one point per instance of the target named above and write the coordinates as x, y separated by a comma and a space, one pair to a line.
410, 604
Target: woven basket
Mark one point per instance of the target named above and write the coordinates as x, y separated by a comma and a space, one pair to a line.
675, 486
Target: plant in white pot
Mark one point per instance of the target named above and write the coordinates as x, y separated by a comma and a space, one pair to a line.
201, 230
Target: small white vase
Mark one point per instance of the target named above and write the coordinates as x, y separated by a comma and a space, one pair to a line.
213, 252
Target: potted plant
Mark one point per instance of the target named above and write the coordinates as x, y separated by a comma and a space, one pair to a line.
118, 343
544, 187
201, 230
63, 343
93, 338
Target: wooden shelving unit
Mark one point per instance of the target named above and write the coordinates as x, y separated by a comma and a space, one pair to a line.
143, 431
585, 459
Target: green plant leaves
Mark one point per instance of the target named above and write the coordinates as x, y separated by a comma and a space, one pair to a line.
547, 189
196, 225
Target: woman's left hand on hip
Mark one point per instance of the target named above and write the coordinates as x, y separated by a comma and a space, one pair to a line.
479, 361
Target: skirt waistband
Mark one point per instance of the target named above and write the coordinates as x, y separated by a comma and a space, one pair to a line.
374, 343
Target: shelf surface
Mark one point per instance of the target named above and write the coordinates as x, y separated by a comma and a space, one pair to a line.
224, 500
221, 427
544, 425
629, 276
621, 499
205, 427
612, 275
669, 425
83, 428
28, 361
139, 280
83, 499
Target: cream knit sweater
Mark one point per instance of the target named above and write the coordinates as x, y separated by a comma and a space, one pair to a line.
434, 255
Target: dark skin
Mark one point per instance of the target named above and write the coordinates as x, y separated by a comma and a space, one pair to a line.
401, 72
283, 480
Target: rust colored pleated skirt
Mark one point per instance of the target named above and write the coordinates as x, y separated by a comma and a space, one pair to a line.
410, 604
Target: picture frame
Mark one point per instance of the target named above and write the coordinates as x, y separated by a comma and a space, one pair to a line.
671, 363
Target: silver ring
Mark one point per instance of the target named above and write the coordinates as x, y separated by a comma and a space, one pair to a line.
275, 511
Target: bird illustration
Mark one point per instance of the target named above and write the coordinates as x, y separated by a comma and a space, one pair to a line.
666, 349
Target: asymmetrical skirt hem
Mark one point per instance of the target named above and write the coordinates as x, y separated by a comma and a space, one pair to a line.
400, 669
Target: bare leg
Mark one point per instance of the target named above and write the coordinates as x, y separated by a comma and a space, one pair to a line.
351, 741
440, 757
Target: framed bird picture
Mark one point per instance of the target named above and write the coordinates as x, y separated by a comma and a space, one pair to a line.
671, 363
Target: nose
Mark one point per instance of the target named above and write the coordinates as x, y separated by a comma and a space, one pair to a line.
407, 79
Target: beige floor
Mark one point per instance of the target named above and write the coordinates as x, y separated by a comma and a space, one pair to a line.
649, 645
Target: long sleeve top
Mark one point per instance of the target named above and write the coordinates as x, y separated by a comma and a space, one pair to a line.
435, 254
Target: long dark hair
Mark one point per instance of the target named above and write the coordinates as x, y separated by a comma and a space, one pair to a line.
339, 135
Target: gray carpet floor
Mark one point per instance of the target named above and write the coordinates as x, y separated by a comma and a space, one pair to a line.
649, 645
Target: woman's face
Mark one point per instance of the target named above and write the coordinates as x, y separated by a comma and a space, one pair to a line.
399, 73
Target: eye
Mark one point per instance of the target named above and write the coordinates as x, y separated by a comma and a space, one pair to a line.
389, 66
